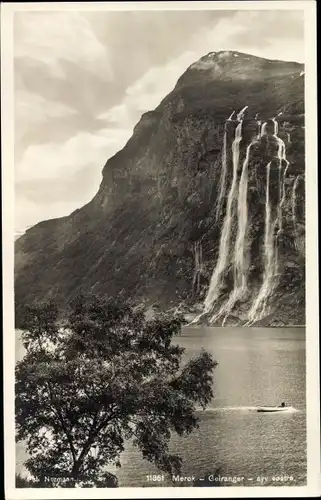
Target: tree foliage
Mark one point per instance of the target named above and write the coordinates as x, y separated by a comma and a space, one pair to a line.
103, 377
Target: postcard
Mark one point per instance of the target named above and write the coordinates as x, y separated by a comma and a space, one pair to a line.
160, 249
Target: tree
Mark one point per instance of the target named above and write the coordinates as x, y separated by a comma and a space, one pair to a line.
103, 376
22, 482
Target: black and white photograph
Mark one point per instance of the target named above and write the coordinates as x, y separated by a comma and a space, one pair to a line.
160, 243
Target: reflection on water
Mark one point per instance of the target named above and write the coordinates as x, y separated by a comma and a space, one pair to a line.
257, 366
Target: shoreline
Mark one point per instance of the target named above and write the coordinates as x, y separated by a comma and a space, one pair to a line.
188, 318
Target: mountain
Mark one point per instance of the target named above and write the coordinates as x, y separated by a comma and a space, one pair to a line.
20, 232
167, 214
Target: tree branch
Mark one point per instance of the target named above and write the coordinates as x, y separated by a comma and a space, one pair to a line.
64, 428
91, 438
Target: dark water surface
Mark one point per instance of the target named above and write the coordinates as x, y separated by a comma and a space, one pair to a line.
257, 366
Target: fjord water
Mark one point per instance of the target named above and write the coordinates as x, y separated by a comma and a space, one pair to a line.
257, 366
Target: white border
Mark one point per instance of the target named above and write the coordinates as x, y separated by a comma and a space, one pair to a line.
188, 5
312, 338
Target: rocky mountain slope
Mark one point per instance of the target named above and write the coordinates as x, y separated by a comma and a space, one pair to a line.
154, 228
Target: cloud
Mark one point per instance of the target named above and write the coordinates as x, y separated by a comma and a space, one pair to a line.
83, 79
245, 31
117, 115
28, 213
33, 111
57, 36
77, 188
263, 33
53, 180
58, 161
147, 92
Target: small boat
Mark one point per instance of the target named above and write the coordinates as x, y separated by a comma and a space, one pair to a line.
272, 408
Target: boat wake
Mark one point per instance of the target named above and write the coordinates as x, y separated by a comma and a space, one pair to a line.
226, 408
218, 409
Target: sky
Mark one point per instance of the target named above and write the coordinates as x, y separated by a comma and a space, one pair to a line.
82, 80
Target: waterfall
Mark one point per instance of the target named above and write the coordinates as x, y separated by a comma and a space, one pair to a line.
276, 127
259, 124
289, 137
237, 207
223, 175
198, 268
258, 307
223, 171
200, 260
271, 242
241, 113
282, 160
281, 182
241, 264
263, 129
195, 263
295, 185
240, 252
224, 247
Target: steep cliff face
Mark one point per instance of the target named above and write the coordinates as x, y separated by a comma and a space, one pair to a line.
153, 232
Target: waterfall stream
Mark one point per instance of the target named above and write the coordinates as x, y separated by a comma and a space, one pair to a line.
240, 115
263, 129
223, 176
295, 186
237, 207
281, 183
271, 242
258, 307
223, 171
240, 252
224, 247
198, 269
